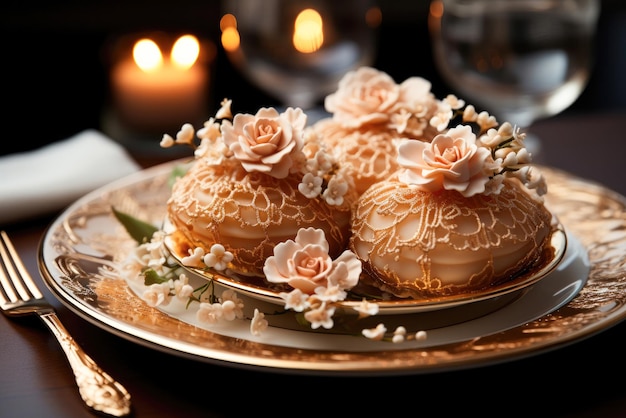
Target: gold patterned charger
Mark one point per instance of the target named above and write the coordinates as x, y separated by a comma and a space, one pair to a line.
82, 250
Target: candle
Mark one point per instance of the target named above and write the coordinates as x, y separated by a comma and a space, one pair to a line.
154, 94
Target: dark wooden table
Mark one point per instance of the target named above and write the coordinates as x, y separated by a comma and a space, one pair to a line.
584, 379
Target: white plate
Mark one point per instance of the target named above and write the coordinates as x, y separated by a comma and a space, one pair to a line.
392, 305
82, 250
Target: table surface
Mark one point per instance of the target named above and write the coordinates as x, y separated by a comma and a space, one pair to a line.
579, 380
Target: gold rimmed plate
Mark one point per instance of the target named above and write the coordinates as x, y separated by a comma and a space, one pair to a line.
259, 288
82, 254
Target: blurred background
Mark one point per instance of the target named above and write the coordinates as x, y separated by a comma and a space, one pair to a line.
57, 60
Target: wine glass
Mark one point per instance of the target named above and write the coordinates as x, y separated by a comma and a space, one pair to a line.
521, 60
298, 50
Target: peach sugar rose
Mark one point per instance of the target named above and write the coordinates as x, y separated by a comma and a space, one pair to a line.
305, 264
267, 142
452, 161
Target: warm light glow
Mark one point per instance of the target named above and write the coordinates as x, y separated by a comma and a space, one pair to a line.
374, 17
228, 21
230, 34
185, 51
308, 35
147, 55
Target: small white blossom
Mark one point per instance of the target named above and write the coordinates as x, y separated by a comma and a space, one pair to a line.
335, 191
186, 134
258, 323
210, 130
322, 316
209, 312
365, 308
167, 141
454, 102
182, 288
311, 185
399, 335
324, 161
229, 310
442, 118
375, 334
330, 293
218, 258
296, 300
421, 335
194, 259
469, 114
486, 121
230, 295
494, 185
157, 294
224, 111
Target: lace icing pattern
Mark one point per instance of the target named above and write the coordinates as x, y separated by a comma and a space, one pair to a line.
394, 221
249, 213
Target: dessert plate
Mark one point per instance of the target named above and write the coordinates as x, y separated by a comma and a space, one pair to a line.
256, 288
82, 252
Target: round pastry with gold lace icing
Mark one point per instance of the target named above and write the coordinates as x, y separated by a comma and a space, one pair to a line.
248, 213
462, 213
369, 111
422, 244
254, 183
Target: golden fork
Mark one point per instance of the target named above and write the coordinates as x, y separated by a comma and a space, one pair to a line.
19, 295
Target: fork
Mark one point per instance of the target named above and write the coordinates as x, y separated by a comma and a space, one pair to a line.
19, 296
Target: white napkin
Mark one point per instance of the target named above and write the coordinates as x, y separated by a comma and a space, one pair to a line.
50, 178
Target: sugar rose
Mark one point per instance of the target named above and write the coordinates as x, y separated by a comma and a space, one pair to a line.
304, 264
363, 97
268, 142
452, 161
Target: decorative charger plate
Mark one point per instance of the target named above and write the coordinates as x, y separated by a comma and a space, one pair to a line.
81, 258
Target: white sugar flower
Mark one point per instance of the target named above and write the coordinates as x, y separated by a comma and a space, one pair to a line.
182, 288
151, 254
194, 259
229, 310
494, 185
311, 185
454, 102
330, 293
469, 114
258, 323
295, 300
365, 308
399, 335
186, 134
486, 121
335, 191
157, 294
376, 334
167, 141
324, 161
442, 117
230, 295
210, 130
218, 258
209, 313
224, 111
322, 316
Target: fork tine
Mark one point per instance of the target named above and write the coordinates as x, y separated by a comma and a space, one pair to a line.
17, 271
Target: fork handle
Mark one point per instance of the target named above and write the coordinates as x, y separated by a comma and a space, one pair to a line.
99, 391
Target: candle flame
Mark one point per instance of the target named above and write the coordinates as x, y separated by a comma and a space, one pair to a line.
185, 51
147, 55
308, 35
